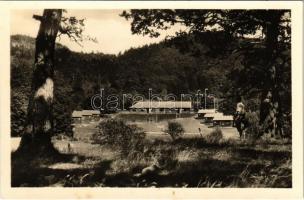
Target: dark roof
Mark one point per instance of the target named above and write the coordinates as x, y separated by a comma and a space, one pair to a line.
162, 104
80, 113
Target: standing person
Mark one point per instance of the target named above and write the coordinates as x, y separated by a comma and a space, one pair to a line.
240, 110
240, 121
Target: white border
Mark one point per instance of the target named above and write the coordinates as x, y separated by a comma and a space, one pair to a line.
172, 193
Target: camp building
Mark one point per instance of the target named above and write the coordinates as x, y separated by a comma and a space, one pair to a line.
79, 116
162, 106
223, 120
218, 119
202, 112
209, 116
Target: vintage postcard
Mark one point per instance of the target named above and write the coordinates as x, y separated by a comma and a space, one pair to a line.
175, 100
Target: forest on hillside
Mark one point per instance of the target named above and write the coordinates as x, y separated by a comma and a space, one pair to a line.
218, 62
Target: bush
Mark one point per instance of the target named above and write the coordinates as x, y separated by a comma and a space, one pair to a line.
253, 129
175, 130
215, 136
18, 111
126, 137
286, 124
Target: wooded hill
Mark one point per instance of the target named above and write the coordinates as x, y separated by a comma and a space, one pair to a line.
226, 66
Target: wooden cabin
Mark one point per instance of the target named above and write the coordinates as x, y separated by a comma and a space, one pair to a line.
76, 117
202, 112
208, 118
224, 120
79, 116
162, 106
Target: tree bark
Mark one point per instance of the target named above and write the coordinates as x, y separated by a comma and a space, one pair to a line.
270, 111
39, 123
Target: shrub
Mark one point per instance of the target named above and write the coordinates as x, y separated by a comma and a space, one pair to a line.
175, 130
253, 129
126, 137
215, 136
18, 111
286, 124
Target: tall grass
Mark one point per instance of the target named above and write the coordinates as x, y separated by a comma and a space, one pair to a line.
215, 136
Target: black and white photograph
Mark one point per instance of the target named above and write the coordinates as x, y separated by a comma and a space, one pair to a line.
151, 98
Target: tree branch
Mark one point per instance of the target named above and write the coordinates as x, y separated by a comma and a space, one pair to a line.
38, 17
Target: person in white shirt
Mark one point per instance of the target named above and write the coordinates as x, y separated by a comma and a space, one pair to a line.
240, 110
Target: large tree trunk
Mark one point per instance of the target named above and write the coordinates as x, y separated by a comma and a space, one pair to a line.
270, 111
40, 119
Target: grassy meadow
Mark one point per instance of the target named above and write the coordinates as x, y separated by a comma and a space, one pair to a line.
210, 160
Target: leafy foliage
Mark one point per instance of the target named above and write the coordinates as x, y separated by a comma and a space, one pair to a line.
175, 130
123, 136
254, 129
240, 22
73, 28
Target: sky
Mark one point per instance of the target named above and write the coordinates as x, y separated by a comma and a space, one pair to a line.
112, 32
